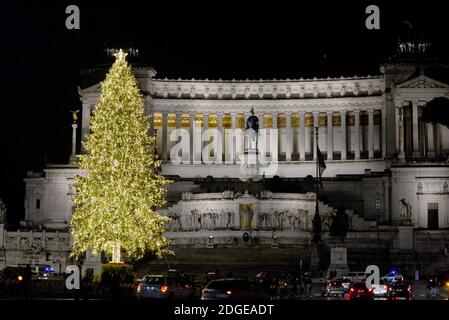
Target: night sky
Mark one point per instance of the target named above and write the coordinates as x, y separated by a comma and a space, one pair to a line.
41, 59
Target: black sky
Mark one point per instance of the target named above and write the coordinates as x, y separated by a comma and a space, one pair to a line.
41, 59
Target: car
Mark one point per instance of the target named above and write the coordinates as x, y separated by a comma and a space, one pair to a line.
12, 273
333, 288
400, 291
381, 289
44, 272
356, 276
345, 282
233, 289
162, 287
391, 277
359, 291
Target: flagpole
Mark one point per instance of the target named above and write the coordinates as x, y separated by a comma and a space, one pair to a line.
316, 219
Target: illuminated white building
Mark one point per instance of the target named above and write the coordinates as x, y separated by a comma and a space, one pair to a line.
383, 162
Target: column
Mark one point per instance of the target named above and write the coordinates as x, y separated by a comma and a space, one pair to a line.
164, 136
315, 125
178, 126
205, 127
383, 116
73, 155
288, 133
415, 133
152, 124
344, 143
430, 150
178, 119
400, 130
357, 134
233, 137
274, 126
302, 136
370, 134
261, 119
330, 136
437, 140
192, 124
219, 157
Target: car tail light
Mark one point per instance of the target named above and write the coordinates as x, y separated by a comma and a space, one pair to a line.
229, 292
370, 289
164, 289
352, 290
139, 288
409, 288
385, 287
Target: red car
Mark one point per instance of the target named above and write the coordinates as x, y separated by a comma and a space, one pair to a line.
359, 291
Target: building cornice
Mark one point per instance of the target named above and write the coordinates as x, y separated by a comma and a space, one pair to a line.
267, 89
274, 105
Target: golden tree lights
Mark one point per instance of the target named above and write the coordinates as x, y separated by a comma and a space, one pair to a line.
116, 201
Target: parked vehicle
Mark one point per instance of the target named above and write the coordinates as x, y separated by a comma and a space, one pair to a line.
400, 291
233, 289
12, 273
346, 283
163, 287
44, 272
391, 277
381, 289
359, 291
333, 288
356, 276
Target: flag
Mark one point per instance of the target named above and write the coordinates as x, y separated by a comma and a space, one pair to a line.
321, 164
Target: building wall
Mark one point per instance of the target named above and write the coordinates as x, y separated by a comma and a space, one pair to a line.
406, 183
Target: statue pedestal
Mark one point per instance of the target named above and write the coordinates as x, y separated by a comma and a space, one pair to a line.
93, 262
339, 262
249, 168
405, 237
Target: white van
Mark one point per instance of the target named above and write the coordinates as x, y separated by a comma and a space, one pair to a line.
355, 276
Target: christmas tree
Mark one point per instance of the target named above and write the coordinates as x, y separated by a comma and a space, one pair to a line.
117, 198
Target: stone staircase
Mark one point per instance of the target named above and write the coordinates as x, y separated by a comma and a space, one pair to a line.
238, 261
434, 264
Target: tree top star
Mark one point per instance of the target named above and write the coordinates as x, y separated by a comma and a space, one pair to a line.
120, 55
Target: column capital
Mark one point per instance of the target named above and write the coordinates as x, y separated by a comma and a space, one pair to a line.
234, 114
343, 112
192, 113
219, 113
205, 113
315, 113
302, 113
178, 113
164, 113
288, 113
329, 112
274, 113
357, 111
370, 111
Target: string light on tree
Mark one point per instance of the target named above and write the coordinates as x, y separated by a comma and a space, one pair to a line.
117, 198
